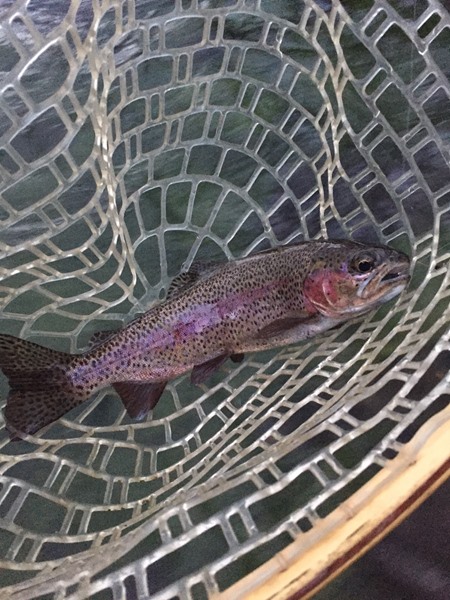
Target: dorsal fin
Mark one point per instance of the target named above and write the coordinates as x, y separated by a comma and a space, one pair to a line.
99, 337
185, 280
180, 283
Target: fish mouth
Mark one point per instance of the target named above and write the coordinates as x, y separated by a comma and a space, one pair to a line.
387, 283
394, 276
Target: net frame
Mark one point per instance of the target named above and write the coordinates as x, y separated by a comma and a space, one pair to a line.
103, 216
358, 524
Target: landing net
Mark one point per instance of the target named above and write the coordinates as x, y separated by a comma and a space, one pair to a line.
139, 136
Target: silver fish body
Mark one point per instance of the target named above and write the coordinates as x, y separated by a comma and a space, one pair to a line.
212, 312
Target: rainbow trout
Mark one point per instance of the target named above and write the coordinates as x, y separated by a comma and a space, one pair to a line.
211, 313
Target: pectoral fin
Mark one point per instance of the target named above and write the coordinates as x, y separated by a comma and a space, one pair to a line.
280, 327
203, 371
139, 398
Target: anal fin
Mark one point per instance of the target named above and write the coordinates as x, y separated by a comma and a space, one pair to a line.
139, 398
204, 370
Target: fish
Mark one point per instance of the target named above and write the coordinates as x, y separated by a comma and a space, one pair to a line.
212, 312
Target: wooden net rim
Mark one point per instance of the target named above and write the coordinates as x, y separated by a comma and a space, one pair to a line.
306, 565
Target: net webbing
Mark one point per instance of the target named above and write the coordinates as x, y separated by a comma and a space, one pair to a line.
139, 136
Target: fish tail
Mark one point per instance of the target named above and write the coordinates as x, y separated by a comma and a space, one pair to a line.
41, 390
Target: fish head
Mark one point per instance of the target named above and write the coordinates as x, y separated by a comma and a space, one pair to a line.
354, 278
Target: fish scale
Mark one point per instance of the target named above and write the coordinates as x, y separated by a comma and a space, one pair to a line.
238, 299
212, 312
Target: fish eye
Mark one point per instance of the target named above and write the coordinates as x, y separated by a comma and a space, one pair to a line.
364, 264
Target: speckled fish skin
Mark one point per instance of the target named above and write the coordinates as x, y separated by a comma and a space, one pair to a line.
266, 300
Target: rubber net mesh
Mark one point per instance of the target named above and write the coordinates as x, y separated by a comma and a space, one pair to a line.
139, 136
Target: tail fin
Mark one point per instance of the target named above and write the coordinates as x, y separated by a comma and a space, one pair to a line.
40, 389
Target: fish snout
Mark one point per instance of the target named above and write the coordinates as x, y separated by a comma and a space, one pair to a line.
387, 281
